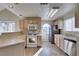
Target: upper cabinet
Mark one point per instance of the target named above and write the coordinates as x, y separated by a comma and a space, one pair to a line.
60, 24
77, 19
30, 20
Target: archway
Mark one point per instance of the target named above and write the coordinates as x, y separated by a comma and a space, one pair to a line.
46, 31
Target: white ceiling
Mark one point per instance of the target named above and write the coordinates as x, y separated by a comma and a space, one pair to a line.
37, 10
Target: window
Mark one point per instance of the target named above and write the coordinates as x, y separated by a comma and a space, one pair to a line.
69, 24
7, 26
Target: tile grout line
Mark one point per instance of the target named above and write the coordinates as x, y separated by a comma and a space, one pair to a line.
38, 52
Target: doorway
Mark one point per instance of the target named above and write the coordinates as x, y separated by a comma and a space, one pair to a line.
46, 32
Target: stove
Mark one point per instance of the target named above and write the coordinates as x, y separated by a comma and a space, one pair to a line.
31, 41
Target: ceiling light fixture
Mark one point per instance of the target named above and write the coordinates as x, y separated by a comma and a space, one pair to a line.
20, 15
16, 3
10, 6
53, 11
43, 3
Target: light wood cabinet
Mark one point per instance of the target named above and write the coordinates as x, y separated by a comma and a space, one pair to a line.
60, 24
21, 25
77, 19
29, 20
59, 41
39, 41
25, 26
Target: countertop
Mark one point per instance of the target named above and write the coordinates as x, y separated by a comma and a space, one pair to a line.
8, 40
71, 37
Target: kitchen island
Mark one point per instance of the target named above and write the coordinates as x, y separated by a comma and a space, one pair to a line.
12, 44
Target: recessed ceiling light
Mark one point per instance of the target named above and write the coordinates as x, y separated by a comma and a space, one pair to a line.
10, 6
20, 15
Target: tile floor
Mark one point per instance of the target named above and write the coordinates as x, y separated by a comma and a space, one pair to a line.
30, 51
51, 50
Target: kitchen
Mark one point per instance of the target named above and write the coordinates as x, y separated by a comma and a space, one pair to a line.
23, 29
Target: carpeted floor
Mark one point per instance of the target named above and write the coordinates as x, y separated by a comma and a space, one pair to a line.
30, 51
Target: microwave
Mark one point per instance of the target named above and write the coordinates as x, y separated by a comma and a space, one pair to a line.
32, 27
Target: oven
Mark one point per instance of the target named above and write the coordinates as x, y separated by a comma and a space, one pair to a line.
31, 41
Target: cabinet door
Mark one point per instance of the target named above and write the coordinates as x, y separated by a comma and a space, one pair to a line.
77, 19
39, 41
21, 25
60, 24
61, 42
58, 43
57, 40
25, 26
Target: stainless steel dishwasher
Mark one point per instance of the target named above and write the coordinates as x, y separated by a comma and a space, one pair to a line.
70, 47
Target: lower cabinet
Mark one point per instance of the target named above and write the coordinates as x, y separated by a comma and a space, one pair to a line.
39, 41
59, 41
67, 44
